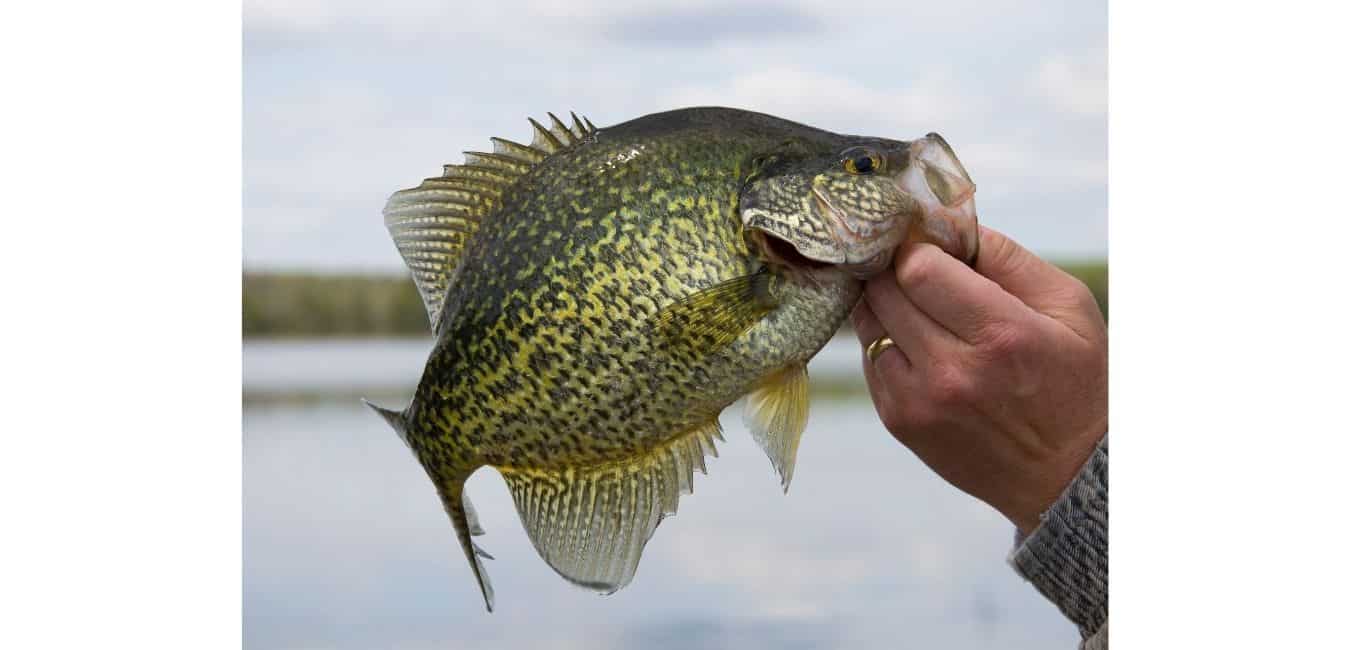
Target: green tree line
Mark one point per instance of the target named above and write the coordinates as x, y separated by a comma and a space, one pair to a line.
317, 305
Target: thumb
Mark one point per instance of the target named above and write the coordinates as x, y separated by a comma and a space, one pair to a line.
1039, 284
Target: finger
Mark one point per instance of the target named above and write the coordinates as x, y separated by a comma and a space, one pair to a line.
869, 329
918, 334
885, 393
1039, 284
954, 295
891, 372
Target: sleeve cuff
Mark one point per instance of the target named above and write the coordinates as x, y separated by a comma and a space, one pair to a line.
1065, 557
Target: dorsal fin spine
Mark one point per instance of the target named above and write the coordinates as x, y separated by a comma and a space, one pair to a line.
467, 187
563, 133
522, 152
505, 163
580, 129
482, 173
543, 139
472, 184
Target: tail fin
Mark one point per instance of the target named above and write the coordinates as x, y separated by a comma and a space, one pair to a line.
456, 504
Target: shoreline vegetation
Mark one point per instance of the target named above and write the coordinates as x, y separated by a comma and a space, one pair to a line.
314, 305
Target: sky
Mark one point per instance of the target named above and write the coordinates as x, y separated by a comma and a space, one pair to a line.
346, 101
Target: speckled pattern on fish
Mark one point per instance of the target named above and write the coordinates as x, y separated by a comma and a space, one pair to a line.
601, 295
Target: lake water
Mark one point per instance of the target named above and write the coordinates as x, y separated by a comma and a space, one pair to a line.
346, 545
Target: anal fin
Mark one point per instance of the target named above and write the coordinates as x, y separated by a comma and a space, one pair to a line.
591, 523
466, 527
776, 415
471, 519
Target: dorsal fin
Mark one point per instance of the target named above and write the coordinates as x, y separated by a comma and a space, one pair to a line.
430, 223
545, 139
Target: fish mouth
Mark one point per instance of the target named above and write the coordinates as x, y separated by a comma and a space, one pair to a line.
818, 249
781, 251
795, 243
939, 209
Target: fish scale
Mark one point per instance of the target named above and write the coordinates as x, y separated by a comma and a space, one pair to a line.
599, 296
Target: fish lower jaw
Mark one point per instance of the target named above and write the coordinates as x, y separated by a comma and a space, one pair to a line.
870, 267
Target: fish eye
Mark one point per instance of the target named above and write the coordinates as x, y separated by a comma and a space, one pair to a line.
861, 161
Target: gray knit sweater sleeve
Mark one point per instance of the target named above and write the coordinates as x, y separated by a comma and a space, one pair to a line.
1065, 557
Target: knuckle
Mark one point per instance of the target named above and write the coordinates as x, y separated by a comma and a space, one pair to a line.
983, 320
1004, 340
1002, 253
949, 385
917, 268
1081, 294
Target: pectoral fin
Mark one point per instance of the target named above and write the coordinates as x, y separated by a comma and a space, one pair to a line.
714, 317
776, 415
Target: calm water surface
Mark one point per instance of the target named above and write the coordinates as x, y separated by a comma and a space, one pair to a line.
346, 545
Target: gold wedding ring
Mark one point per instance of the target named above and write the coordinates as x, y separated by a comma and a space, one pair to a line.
875, 348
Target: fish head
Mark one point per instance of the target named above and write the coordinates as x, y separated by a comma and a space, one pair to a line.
854, 207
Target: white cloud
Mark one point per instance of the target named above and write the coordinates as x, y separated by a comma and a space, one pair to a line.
530, 27
1075, 85
823, 99
1011, 161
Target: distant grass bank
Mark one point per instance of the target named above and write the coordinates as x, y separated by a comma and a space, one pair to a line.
1093, 274
313, 305
295, 304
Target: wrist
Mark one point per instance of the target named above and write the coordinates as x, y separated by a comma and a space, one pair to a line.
1065, 557
1046, 482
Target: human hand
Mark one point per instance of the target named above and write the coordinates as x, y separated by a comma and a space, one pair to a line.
997, 379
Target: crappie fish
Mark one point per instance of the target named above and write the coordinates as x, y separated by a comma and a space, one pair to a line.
600, 295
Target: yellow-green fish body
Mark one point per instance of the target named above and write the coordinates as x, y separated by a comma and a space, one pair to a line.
601, 295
